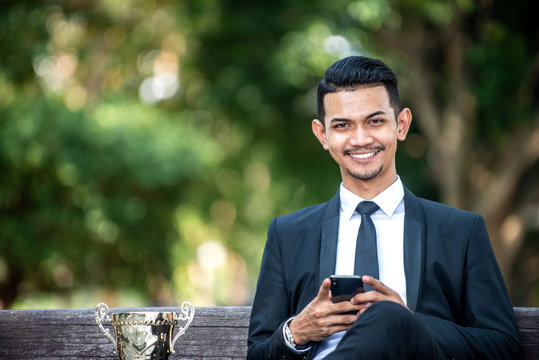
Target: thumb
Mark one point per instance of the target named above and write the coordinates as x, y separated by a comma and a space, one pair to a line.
323, 293
376, 284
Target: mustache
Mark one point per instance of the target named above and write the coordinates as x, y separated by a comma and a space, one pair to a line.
364, 148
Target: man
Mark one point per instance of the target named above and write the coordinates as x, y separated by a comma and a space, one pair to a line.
434, 290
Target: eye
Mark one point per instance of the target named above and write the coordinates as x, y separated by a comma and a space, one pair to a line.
340, 125
376, 121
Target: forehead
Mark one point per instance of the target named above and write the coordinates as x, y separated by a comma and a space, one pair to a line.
356, 103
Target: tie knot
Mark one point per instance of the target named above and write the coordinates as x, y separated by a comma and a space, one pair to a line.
367, 207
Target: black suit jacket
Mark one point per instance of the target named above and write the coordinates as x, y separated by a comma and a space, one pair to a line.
453, 282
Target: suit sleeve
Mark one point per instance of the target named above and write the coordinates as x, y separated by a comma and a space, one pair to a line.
271, 306
487, 329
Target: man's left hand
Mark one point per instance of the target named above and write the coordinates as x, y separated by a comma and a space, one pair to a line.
381, 293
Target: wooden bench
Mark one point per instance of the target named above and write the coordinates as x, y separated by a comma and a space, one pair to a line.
216, 333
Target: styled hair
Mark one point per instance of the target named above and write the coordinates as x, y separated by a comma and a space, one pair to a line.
355, 72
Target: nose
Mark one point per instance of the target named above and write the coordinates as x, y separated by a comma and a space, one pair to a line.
360, 137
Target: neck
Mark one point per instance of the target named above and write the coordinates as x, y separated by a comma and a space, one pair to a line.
368, 189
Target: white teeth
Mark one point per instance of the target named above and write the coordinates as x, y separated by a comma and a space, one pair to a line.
363, 156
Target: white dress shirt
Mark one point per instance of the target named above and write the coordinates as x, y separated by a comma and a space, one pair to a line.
389, 224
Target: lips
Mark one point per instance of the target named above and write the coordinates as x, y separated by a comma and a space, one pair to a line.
364, 155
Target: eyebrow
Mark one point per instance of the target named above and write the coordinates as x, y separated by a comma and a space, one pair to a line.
339, 120
376, 113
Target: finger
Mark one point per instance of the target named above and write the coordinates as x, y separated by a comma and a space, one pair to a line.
324, 293
330, 330
339, 319
377, 285
381, 292
367, 297
344, 307
364, 305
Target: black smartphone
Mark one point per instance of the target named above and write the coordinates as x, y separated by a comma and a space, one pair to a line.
344, 287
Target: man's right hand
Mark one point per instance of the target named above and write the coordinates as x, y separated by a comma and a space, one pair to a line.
322, 318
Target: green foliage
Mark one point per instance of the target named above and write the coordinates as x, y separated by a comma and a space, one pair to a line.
91, 193
145, 145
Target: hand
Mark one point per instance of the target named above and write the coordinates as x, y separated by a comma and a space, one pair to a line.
322, 318
381, 293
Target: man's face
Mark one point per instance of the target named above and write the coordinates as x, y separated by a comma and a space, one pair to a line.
361, 135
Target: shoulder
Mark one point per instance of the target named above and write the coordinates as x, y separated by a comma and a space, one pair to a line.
435, 212
310, 215
433, 207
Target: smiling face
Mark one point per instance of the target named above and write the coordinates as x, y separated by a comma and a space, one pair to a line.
360, 132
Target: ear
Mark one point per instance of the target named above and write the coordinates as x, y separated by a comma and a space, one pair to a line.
320, 132
404, 120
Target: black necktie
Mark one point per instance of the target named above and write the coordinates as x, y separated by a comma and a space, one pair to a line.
366, 262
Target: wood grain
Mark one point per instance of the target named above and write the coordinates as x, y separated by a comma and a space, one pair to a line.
216, 333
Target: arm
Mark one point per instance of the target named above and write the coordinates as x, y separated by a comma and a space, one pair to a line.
272, 308
483, 324
486, 326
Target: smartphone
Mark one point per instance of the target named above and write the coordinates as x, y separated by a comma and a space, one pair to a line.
344, 287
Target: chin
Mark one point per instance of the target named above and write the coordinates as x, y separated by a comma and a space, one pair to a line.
365, 175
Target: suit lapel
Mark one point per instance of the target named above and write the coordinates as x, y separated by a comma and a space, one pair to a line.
414, 247
329, 233
414, 244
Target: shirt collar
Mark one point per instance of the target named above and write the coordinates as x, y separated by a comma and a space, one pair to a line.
387, 200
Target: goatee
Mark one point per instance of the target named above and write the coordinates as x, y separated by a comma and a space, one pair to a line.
364, 176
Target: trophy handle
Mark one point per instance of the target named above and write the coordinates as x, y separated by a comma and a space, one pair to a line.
101, 313
188, 313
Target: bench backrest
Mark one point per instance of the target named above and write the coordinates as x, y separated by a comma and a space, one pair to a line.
216, 333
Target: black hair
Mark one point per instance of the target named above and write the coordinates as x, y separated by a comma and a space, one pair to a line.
354, 72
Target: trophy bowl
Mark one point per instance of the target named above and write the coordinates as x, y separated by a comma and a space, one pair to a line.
144, 335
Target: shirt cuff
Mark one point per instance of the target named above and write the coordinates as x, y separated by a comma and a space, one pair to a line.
298, 349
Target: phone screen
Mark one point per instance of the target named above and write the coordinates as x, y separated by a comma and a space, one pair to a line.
344, 287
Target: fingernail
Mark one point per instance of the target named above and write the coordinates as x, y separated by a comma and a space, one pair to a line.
368, 304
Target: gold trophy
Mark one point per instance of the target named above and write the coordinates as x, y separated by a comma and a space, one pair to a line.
144, 335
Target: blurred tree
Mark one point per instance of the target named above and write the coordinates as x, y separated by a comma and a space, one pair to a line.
482, 137
145, 145
93, 171
468, 70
